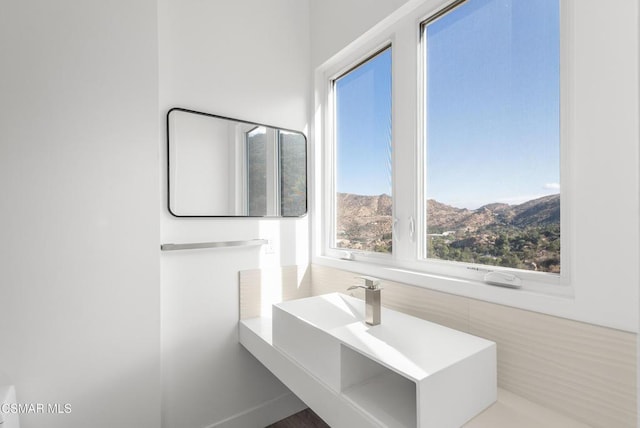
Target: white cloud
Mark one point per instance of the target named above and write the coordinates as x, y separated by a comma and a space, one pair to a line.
551, 186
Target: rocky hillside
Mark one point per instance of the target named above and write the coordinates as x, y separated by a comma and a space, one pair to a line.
524, 236
539, 212
364, 222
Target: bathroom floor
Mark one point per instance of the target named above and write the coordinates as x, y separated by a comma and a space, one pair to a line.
304, 419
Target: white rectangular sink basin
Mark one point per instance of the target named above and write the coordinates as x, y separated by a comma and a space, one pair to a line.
405, 372
326, 311
300, 330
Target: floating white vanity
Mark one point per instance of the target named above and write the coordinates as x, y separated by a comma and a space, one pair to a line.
405, 372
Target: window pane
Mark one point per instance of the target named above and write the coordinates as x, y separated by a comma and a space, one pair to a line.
492, 132
293, 174
257, 171
363, 156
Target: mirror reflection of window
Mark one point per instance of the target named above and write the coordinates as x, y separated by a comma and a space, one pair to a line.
257, 171
293, 174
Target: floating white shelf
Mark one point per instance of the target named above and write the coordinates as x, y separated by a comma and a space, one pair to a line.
382, 393
405, 372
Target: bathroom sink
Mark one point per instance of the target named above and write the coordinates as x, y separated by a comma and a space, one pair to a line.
300, 330
326, 311
405, 372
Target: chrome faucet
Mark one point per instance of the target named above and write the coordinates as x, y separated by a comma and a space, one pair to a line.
372, 299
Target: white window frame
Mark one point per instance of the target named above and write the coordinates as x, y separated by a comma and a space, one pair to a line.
402, 30
531, 280
334, 74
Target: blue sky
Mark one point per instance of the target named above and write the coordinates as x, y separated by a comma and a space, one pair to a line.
492, 108
363, 128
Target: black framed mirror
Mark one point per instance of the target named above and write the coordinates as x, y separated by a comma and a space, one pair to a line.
224, 167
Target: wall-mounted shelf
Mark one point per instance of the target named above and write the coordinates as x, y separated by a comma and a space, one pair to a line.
220, 244
377, 390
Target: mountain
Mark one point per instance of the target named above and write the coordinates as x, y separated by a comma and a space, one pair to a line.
524, 236
364, 222
538, 212
361, 205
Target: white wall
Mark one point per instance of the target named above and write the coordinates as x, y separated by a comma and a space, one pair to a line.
79, 295
336, 23
247, 59
603, 183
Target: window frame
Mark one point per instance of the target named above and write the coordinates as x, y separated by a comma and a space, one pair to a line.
403, 30
329, 212
532, 280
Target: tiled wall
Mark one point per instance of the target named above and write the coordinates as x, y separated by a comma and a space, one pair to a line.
584, 371
260, 288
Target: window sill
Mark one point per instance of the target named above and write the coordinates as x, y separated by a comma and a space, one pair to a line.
558, 302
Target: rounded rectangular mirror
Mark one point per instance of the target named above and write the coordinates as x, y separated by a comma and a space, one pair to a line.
224, 167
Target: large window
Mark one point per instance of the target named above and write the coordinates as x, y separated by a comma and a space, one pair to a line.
472, 150
363, 188
492, 133
276, 172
